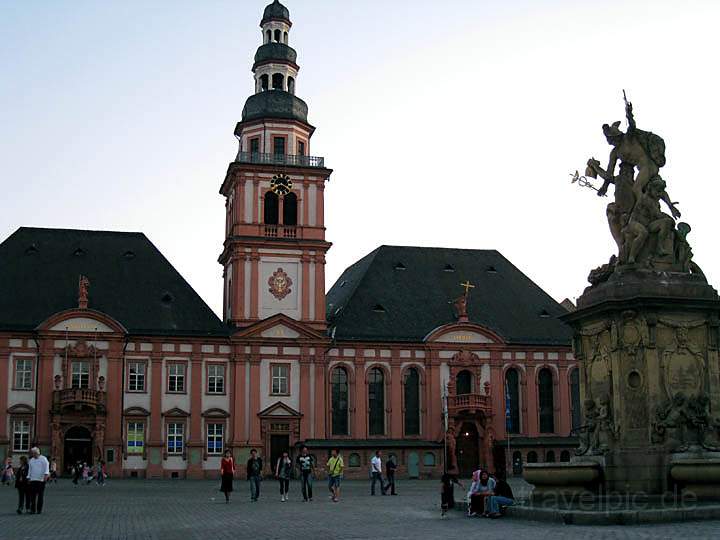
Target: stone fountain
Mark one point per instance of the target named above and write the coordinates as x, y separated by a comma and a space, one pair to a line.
646, 339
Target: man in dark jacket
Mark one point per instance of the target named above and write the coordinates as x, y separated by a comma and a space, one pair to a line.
22, 484
390, 466
254, 474
502, 496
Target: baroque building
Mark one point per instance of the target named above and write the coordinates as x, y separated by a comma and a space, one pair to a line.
106, 352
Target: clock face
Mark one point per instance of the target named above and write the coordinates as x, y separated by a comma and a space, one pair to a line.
281, 184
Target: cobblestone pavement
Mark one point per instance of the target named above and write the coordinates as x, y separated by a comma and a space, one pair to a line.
184, 509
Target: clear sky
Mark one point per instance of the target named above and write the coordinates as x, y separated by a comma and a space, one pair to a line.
452, 123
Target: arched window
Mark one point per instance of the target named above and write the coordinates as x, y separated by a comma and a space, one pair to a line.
291, 85
264, 82
532, 457
268, 35
546, 401
512, 397
277, 81
575, 397
376, 401
564, 456
339, 385
285, 38
277, 35
290, 209
463, 382
550, 457
411, 389
271, 208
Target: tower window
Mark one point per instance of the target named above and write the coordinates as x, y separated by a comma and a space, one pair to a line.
264, 82
291, 85
277, 35
268, 35
285, 38
301, 148
271, 208
277, 81
279, 146
255, 146
290, 209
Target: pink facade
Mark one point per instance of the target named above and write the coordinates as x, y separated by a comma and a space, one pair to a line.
156, 404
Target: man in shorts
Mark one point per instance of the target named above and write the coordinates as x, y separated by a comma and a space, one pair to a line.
335, 467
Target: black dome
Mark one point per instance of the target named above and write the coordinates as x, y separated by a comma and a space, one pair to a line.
275, 104
275, 51
275, 11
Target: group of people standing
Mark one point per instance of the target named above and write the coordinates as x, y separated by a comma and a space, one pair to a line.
30, 479
81, 471
306, 466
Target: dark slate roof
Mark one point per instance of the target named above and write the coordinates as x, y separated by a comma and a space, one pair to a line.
275, 104
130, 280
275, 11
399, 293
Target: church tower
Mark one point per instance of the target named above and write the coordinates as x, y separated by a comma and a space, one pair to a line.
274, 250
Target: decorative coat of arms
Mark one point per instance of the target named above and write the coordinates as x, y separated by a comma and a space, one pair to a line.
280, 284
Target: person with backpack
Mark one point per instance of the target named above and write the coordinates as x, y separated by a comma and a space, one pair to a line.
335, 468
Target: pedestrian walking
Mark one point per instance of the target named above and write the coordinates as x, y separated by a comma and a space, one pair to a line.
22, 484
86, 473
100, 473
8, 474
254, 474
306, 464
77, 473
335, 468
376, 473
38, 474
53, 470
227, 473
390, 466
283, 470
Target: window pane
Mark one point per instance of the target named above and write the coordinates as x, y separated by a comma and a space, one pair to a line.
254, 146
412, 402
339, 383
376, 401
546, 401
463, 383
279, 146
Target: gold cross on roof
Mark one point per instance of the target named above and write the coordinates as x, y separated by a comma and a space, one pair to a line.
467, 285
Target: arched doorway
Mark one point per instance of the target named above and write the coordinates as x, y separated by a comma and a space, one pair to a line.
468, 449
78, 446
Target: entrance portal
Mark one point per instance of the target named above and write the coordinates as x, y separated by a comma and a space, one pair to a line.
278, 445
468, 450
78, 447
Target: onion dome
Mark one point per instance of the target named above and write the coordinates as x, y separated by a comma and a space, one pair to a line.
275, 104
275, 12
273, 51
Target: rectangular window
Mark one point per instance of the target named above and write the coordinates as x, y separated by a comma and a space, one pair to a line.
255, 146
279, 146
23, 374
176, 378
215, 438
280, 376
136, 376
175, 438
21, 435
80, 375
301, 148
135, 438
216, 379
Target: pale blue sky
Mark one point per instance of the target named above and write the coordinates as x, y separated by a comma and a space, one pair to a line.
449, 123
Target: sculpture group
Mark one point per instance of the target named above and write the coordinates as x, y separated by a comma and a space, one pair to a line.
646, 237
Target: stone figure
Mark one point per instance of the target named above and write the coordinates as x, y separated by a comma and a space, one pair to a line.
606, 427
588, 432
452, 466
460, 304
639, 148
618, 212
83, 295
647, 218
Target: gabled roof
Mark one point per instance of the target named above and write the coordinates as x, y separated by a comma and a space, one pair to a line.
130, 280
401, 294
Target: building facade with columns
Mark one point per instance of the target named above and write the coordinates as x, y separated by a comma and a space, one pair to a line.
106, 352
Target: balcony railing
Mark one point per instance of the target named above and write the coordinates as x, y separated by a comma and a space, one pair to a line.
280, 159
280, 231
78, 398
477, 402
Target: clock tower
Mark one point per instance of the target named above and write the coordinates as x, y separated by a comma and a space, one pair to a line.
274, 252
